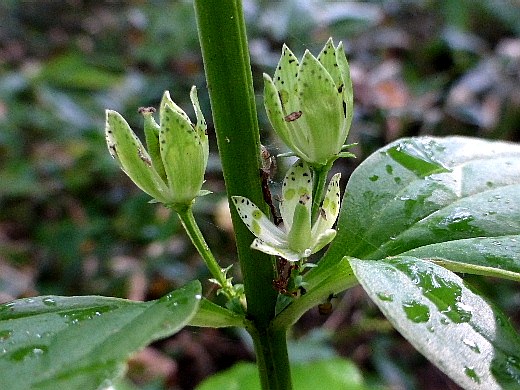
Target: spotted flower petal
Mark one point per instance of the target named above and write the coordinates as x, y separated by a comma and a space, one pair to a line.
330, 207
296, 183
258, 223
299, 240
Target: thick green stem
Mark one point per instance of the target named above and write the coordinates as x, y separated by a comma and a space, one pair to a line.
191, 227
272, 359
225, 52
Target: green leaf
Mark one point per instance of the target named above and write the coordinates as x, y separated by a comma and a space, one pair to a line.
215, 316
490, 256
74, 71
455, 328
330, 374
56, 342
453, 199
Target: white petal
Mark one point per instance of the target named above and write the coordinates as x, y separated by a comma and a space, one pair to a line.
323, 239
297, 182
330, 207
284, 252
258, 223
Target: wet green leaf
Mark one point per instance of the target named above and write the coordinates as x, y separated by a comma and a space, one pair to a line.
454, 199
81, 342
330, 374
455, 328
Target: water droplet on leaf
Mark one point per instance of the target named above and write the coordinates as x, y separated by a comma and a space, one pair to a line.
49, 301
416, 311
28, 352
470, 372
5, 334
384, 296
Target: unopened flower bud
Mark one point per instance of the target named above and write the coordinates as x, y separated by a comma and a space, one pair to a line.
309, 104
172, 169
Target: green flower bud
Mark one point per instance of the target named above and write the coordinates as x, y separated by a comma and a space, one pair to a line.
172, 169
310, 104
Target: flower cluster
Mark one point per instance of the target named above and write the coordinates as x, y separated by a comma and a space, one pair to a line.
171, 169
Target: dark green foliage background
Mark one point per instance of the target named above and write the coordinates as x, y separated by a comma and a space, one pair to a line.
71, 223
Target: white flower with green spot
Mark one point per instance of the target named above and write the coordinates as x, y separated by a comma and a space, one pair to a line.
300, 238
310, 104
172, 169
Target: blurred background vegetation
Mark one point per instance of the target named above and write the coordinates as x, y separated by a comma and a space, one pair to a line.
71, 223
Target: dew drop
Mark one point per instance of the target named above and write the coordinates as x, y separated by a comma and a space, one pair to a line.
198, 297
384, 296
470, 372
416, 311
49, 301
472, 345
5, 334
75, 316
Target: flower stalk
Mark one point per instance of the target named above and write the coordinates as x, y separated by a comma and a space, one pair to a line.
196, 237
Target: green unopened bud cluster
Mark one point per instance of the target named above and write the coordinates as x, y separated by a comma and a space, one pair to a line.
171, 168
309, 103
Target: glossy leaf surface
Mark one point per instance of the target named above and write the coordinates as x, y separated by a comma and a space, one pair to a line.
453, 198
53, 342
455, 328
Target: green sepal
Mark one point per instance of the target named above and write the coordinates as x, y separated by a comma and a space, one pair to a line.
321, 108
182, 154
127, 149
204, 192
151, 133
347, 89
346, 155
